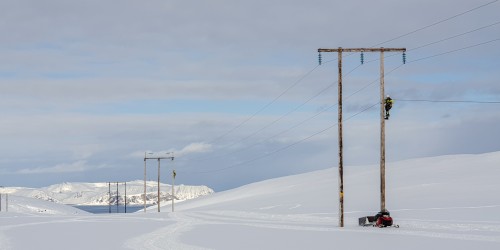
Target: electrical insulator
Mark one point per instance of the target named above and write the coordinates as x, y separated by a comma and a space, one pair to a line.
362, 58
404, 57
319, 58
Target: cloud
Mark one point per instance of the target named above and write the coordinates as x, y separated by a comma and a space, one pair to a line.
79, 166
192, 148
168, 75
196, 147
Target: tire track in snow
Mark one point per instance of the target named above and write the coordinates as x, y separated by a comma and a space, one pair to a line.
167, 237
440, 230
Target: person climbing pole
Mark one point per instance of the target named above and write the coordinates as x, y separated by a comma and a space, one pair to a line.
388, 105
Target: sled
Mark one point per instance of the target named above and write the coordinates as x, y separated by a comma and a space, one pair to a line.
367, 221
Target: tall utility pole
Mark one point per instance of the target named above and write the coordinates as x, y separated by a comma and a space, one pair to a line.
382, 123
341, 144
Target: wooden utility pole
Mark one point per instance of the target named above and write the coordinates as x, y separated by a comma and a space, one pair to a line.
117, 198
341, 144
158, 185
173, 188
125, 197
173, 182
382, 132
109, 196
144, 197
382, 122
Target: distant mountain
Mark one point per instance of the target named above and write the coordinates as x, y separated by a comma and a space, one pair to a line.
82, 193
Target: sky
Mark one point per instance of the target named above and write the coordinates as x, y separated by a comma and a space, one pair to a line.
234, 88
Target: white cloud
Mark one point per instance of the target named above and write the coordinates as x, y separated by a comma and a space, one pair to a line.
79, 166
196, 147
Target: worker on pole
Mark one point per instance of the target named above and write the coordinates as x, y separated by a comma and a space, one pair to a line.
388, 105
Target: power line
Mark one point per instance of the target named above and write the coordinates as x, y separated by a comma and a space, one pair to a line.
298, 81
264, 107
276, 120
436, 23
425, 27
371, 83
428, 26
442, 40
363, 88
455, 36
285, 147
448, 101
424, 58
455, 50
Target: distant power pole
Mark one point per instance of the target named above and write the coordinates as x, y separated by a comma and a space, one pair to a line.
157, 158
144, 197
109, 196
382, 122
117, 198
173, 181
158, 185
125, 197
173, 188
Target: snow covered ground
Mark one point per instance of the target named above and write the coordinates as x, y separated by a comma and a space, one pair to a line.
448, 202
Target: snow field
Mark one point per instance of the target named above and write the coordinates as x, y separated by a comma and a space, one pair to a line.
448, 202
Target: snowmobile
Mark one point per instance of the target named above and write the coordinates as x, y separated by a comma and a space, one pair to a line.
382, 219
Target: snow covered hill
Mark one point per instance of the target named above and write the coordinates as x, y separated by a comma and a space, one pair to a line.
446, 202
32, 206
445, 181
97, 193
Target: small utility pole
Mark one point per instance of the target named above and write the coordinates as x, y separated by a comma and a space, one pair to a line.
6, 202
382, 122
125, 197
158, 185
109, 196
0, 202
173, 190
144, 197
117, 198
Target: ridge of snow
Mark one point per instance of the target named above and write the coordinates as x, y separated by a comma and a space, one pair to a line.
83, 193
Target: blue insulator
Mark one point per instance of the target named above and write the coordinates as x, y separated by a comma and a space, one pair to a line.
404, 57
362, 58
319, 58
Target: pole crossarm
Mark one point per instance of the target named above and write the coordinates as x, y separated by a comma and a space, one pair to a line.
363, 50
158, 158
